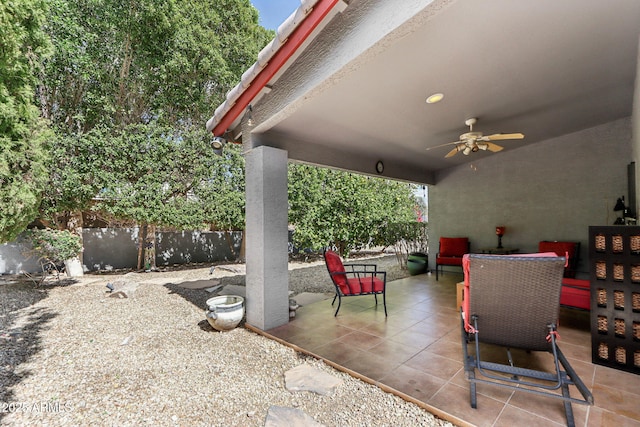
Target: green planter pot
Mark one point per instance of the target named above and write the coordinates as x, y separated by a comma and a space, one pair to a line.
416, 266
418, 256
417, 261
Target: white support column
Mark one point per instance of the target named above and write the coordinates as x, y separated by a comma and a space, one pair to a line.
267, 279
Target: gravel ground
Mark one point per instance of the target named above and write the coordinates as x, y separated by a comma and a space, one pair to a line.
70, 355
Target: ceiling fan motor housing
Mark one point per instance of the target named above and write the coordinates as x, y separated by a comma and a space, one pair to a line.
470, 136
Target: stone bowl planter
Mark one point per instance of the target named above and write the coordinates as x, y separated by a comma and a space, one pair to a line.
225, 312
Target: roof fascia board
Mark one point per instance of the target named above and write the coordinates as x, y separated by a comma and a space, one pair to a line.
244, 93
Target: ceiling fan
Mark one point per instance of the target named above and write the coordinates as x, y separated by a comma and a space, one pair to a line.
471, 141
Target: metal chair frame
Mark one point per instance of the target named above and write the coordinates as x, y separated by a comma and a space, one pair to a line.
50, 271
360, 272
503, 287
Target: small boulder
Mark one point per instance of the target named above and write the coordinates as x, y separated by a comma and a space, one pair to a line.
280, 416
308, 378
124, 289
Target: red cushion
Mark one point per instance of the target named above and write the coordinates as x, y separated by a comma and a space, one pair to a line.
363, 284
565, 249
334, 265
577, 294
453, 246
449, 260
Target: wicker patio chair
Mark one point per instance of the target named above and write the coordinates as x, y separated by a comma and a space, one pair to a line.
513, 302
355, 280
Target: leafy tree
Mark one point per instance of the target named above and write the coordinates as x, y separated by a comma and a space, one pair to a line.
159, 177
23, 44
168, 60
214, 44
75, 163
141, 67
329, 207
154, 175
223, 194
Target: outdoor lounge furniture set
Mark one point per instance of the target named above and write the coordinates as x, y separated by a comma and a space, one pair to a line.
575, 292
365, 279
510, 301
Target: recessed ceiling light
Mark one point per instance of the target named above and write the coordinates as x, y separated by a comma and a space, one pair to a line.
436, 97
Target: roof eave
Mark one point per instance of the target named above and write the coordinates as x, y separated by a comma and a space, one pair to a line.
294, 34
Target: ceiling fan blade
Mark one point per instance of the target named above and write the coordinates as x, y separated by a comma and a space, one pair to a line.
501, 136
494, 147
443, 145
452, 152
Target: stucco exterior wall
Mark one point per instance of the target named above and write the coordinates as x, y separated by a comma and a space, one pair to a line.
553, 190
635, 134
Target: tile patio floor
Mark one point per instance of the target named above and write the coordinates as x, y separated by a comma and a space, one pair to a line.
417, 350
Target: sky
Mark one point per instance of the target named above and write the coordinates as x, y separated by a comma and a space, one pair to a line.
274, 12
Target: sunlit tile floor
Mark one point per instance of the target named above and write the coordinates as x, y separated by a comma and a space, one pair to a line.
417, 350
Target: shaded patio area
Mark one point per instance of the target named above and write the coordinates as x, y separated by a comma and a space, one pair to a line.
417, 351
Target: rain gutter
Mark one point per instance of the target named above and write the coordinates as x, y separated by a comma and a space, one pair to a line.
290, 36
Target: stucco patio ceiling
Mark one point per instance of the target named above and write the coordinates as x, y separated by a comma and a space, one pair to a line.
358, 89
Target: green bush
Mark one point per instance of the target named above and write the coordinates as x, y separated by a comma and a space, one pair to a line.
54, 245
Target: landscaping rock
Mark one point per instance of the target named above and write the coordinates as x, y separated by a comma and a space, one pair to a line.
280, 416
307, 378
124, 288
237, 269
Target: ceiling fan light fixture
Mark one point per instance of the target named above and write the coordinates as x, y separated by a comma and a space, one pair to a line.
436, 97
472, 141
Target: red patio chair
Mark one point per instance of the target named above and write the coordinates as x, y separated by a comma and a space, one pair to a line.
576, 293
355, 280
569, 250
450, 251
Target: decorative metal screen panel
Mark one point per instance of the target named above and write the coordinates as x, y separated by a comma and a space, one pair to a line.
614, 261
